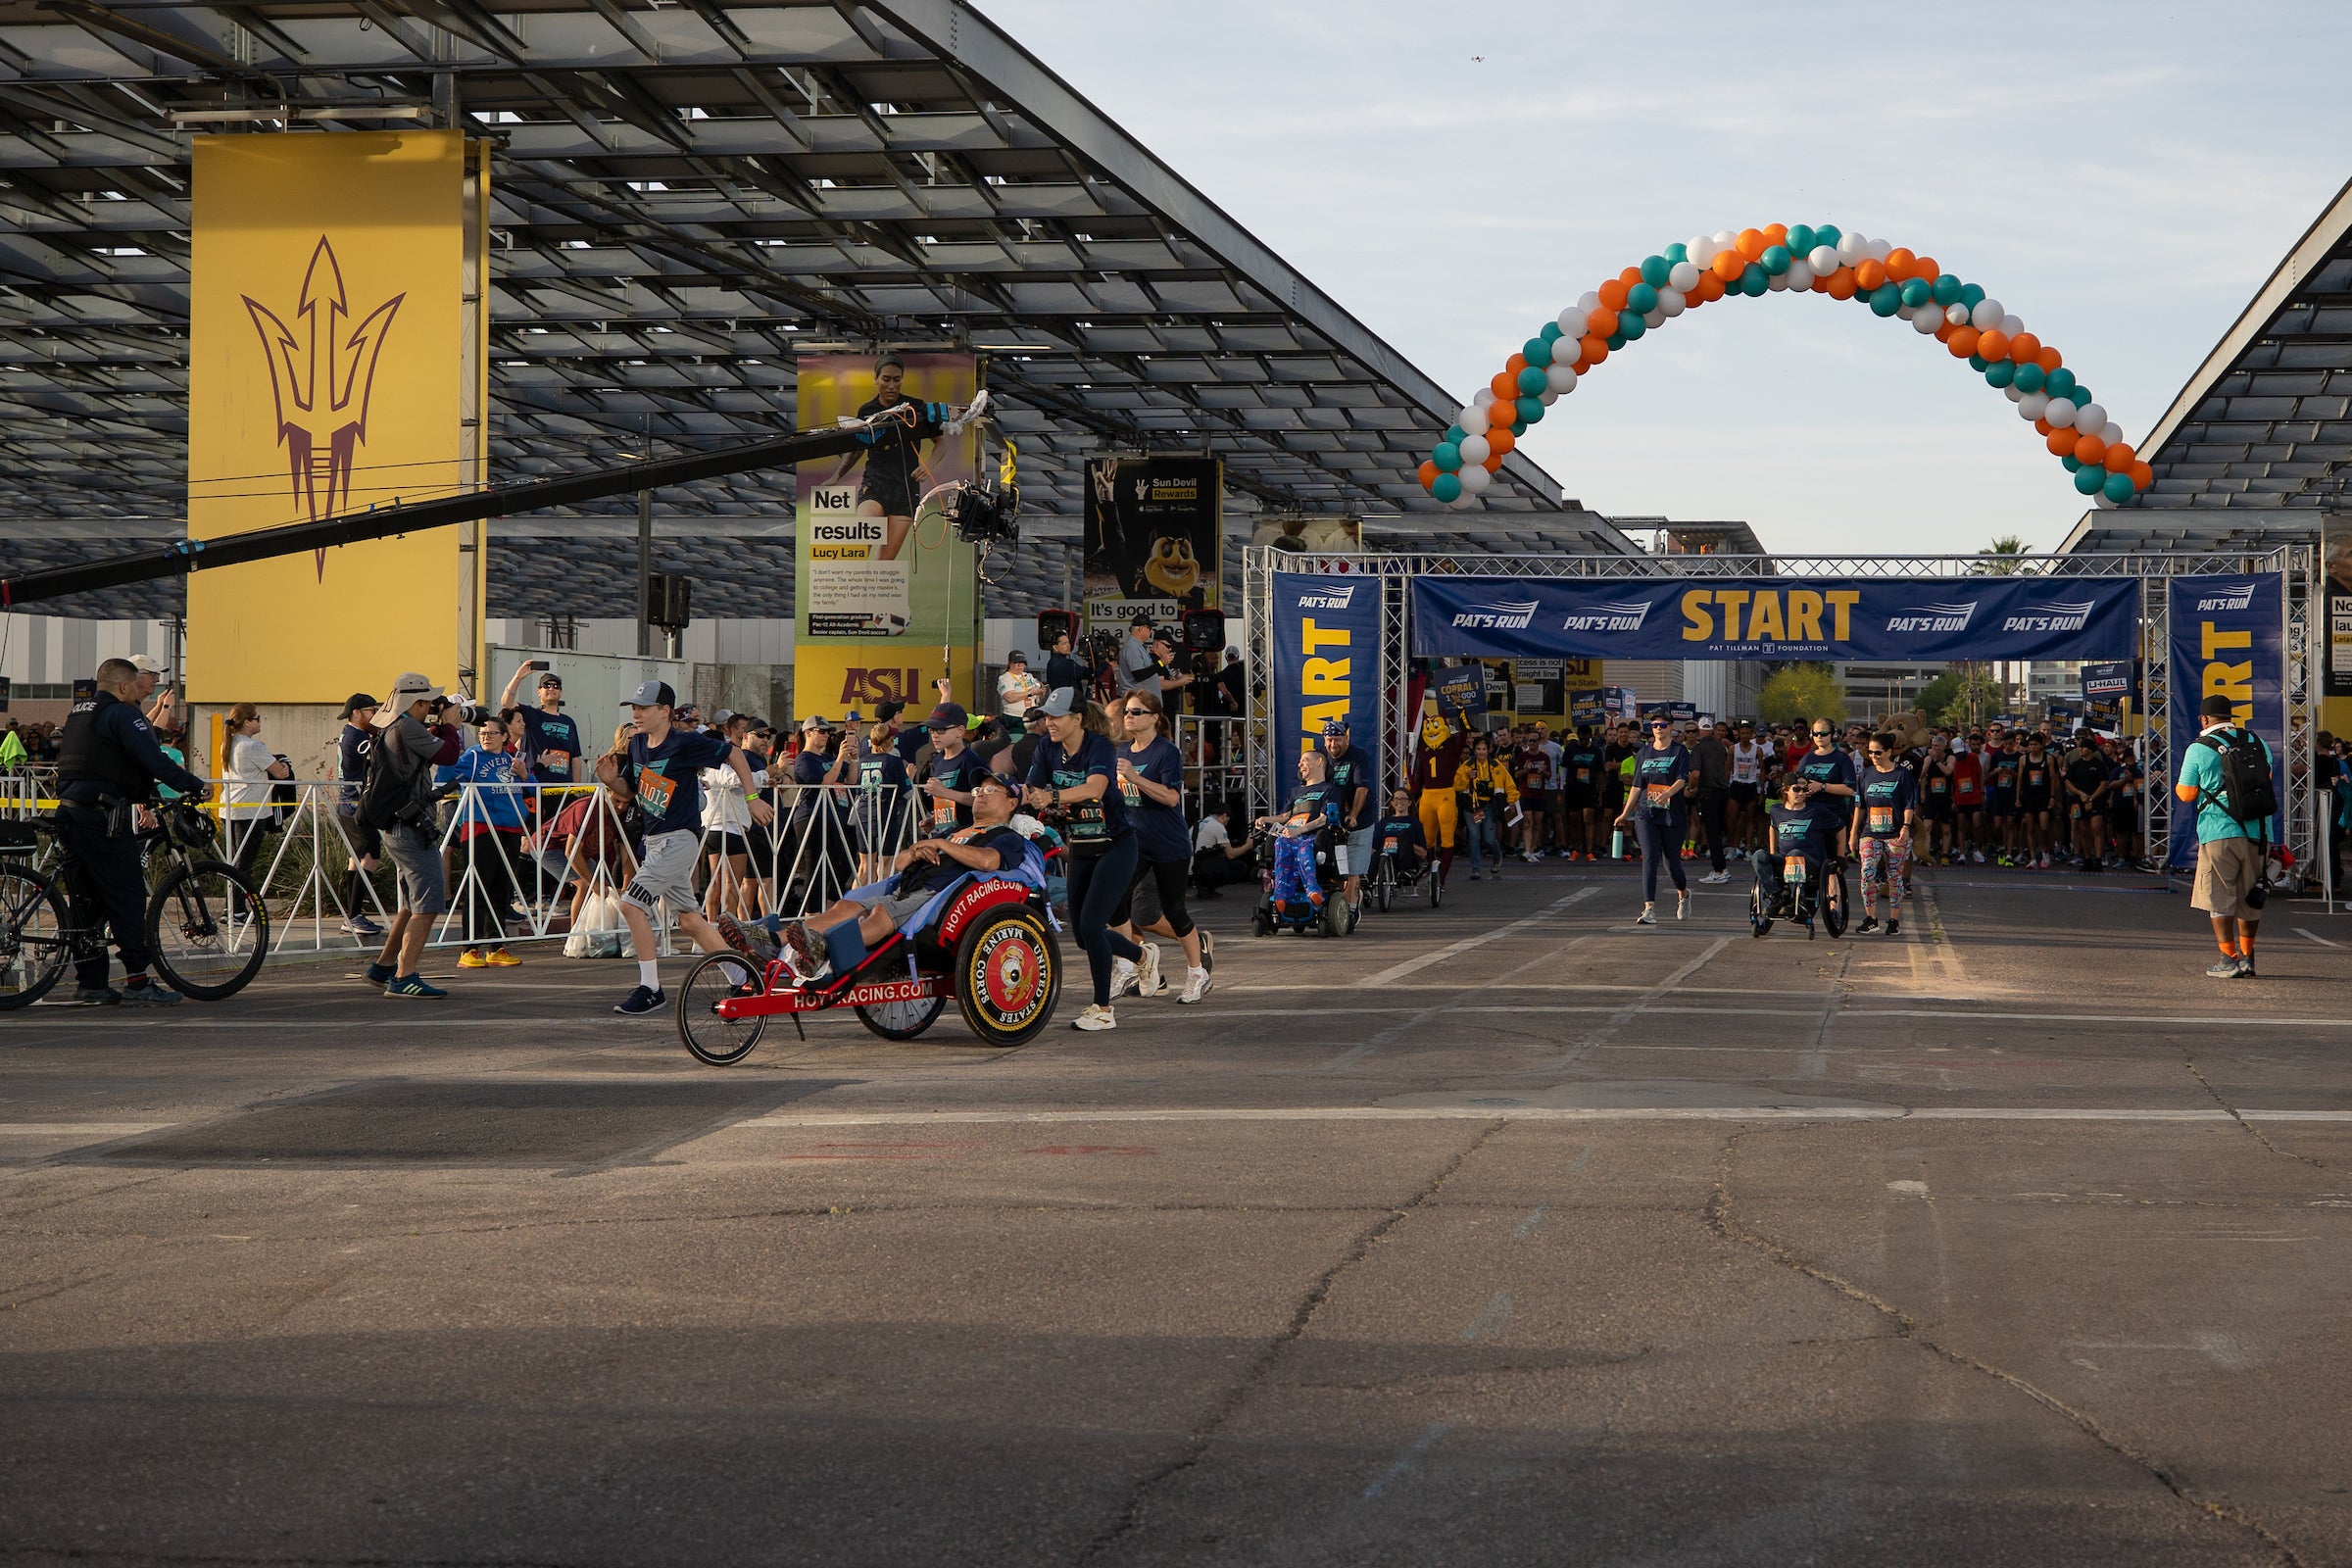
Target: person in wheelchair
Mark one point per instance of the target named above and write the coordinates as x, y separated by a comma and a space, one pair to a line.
863, 919
1297, 834
1798, 828
1398, 837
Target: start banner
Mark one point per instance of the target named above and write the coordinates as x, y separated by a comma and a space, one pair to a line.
1326, 665
2229, 638
1909, 619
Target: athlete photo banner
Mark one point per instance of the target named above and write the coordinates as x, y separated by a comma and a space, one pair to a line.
1909, 619
2228, 636
1326, 665
1154, 538
2335, 554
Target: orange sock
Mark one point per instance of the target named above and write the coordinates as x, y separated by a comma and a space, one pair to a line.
2229, 950
2245, 947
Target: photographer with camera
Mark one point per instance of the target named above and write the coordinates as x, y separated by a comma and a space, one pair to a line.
413, 741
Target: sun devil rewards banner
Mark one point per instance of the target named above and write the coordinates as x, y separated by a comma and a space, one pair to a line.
1912, 618
1154, 538
1326, 665
2228, 636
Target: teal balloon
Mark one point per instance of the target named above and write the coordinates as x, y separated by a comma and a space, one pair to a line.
2074, 464
2119, 487
2029, 377
1531, 412
1977, 362
1886, 300
1446, 488
1533, 381
1614, 341
2059, 383
1801, 240
1656, 269
1754, 281
1945, 290
1551, 332
1519, 426
1642, 299
1446, 455
2000, 373
1915, 293
1827, 234
2079, 396
1537, 350
1774, 260
1678, 252
2089, 480
1630, 325
1971, 295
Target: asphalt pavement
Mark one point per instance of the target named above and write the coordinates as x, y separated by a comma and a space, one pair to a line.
1508, 1232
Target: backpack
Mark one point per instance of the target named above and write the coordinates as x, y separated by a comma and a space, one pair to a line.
2247, 793
386, 800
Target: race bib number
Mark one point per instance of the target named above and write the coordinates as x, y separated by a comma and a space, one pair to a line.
1583, 775
1936, 786
1881, 820
1389, 845
943, 816
1134, 796
1793, 868
656, 790
1661, 796
555, 761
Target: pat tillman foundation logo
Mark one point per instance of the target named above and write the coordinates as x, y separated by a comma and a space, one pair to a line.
321, 375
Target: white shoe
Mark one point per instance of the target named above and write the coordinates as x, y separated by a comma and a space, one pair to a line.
1979, 856
1094, 1018
1647, 916
1716, 876
1123, 977
1149, 983
1209, 950
1197, 986
1682, 906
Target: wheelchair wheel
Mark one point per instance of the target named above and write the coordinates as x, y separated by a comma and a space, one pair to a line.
1832, 902
1262, 921
1437, 889
714, 1041
1758, 921
1007, 975
1388, 891
1335, 915
903, 1020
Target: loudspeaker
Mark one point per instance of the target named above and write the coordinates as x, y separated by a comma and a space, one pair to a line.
1203, 631
1052, 624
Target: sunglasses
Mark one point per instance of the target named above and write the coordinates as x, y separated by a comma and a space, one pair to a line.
1821, 734
1139, 713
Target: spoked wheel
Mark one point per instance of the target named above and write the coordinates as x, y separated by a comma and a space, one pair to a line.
1758, 921
1437, 891
1007, 975
1387, 887
903, 1020
33, 937
208, 930
714, 1041
1832, 902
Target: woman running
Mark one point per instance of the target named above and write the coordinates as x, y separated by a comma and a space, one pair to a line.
1152, 779
1074, 776
1658, 806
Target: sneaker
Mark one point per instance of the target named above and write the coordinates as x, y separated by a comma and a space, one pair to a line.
1147, 980
97, 997
1123, 976
471, 959
380, 975
799, 951
1979, 856
643, 1000
413, 985
1647, 918
1869, 927
359, 925
1893, 925
1195, 985
1716, 876
501, 959
1473, 874
732, 934
143, 992
2225, 967
1209, 950
1094, 1018
2246, 970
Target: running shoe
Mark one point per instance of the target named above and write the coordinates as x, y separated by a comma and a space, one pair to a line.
1647, 916
1094, 1018
1195, 987
414, 985
471, 959
1893, 925
1147, 980
1980, 857
799, 951
2229, 968
501, 959
1869, 927
359, 925
1681, 906
139, 991
379, 974
1716, 876
1208, 948
2246, 970
1473, 874
1123, 976
97, 997
638, 1002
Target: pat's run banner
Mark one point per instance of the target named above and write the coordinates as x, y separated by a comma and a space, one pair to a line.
1326, 666
1909, 619
2228, 636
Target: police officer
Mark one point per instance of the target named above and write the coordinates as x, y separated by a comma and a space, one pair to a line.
107, 768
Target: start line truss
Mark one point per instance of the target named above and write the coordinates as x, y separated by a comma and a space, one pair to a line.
2303, 642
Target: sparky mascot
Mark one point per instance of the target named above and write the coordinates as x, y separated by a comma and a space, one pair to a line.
1436, 761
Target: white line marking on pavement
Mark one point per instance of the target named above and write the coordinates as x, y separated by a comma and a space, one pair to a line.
1398, 972
1492, 1319
1404, 1461
2316, 937
1626, 1011
1578, 1113
2106, 1017
1527, 1226
78, 1129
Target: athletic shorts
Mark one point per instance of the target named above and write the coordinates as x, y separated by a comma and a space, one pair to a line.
1976, 804
2032, 804
2228, 869
2000, 803
1742, 794
665, 872
724, 841
1573, 798
1936, 808
416, 856
1536, 802
2124, 815
903, 907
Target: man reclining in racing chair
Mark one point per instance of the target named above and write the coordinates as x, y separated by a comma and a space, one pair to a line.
1312, 809
862, 919
1801, 824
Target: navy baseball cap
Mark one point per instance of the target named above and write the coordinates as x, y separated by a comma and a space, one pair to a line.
946, 715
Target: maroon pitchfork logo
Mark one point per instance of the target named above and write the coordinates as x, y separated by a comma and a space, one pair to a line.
320, 377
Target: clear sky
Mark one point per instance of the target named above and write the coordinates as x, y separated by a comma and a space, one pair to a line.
2123, 177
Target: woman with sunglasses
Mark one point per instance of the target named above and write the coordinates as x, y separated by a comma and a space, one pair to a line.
1830, 774
1885, 809
1072, 776
1151, 779
1658, 806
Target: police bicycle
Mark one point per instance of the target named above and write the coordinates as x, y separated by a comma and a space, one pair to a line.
205, 922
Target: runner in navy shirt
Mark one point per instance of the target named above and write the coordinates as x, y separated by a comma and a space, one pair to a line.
1074, 773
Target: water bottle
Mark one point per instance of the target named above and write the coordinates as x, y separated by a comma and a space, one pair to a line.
1617, 845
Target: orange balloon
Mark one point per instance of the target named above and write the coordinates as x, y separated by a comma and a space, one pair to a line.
1711, 286
2120, 457
1514, 364
1776, 233
1494, 459
1821, 285
2089, 450
1926, 269
1505, 387
1612, 294
2062, 442
1870, 275
1994, 345
1963, 342
1601, 321
1427, 473
1751, 243
1943, 333
1842, 283
1727, 266
2049, 360
2044, 426
2142, 475
1900, 264
1630, 276
2023, 347
1499, 439
1596, 349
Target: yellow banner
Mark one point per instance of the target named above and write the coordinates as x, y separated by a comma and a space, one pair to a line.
330, 367
834, 680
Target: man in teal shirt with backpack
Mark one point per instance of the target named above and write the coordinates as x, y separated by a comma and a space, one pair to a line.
2227, 775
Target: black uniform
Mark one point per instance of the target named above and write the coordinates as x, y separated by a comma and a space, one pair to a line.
108, 761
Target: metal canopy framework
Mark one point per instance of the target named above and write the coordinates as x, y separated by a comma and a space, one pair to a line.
686, 197
2154, 569
2260, 438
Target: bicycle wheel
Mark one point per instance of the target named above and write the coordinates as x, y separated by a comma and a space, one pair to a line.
902, 1020
33, 937
714, 1041
209, 930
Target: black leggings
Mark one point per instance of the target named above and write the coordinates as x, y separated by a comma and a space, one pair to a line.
1661, 840
1169, 876
1096, 889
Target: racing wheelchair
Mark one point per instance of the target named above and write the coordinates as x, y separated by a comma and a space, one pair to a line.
1301, 916
986, 939
1803, 897
1391, 875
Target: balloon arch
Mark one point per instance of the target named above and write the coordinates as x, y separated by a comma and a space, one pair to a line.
1889, 281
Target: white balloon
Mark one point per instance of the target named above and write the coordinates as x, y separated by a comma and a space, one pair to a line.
1561, 377
1880, 249
2110, 432
1475, 449
1572, 322
1852, 247
1654, 318
1777, 286
2029, 406
2011, 326
1823, 259
1955, 315
2090, 416
1726, 239
2098, 499
1696, 243
1585, 304
1474, 477
1927, 322
1462, 503
2060, 413
1987, 316
1482, 397
1801, 275
1672, 302
1547, 397
2012, 393
1684, 277
1904, 312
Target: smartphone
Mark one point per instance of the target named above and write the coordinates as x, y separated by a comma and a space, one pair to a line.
534, 664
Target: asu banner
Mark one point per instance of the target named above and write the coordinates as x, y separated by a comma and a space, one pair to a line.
2229, 638
1909, 619
330, 367
1326, 666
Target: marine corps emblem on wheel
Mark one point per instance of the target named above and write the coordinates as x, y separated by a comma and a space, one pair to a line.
1007, 975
